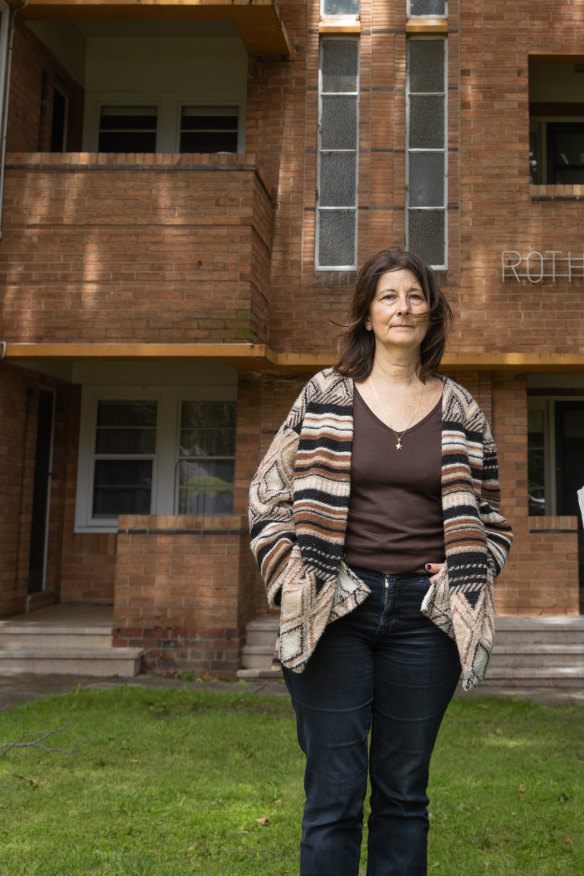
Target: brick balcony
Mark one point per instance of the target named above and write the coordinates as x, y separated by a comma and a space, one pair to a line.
126, 248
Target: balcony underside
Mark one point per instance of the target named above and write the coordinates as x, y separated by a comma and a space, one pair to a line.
258, 21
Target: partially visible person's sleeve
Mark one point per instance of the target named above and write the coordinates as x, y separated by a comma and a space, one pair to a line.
271, 518
498, 529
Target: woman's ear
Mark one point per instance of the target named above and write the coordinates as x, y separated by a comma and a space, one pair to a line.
367, 324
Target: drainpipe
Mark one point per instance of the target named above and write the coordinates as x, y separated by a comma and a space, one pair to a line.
6, 101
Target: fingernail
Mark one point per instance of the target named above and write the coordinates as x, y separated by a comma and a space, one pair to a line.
428, 566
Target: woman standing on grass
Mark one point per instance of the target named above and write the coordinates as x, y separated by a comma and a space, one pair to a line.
377, 507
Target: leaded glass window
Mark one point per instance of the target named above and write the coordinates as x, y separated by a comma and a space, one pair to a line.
338, 154
426, 220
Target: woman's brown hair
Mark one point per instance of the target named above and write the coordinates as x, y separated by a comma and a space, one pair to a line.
357, 344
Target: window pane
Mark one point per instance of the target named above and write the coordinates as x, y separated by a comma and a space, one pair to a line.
207, 414
565, 153
426, 121
205, 484
336, 238
339, 123
426, 65
340, 62
426, 235
426, 179
337, 179
427, 7
206, 487
209, 129
127, 129
208, 141
340, 7
126, 427
122, 487
207, 442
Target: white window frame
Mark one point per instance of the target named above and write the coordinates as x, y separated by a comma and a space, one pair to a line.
168, 108
164, 497
355, 208
444, 150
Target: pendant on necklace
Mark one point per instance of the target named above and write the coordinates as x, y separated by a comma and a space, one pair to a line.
398, 446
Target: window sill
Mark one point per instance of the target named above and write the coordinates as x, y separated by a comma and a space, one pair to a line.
556, 193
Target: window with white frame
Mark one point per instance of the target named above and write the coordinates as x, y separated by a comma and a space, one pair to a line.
124, 458
338, 154
426, 152
427, 9
127, 129
154, 451
208, 129
164, 126
206, 458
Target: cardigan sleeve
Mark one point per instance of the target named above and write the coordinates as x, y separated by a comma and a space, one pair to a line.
497, 528
271, 520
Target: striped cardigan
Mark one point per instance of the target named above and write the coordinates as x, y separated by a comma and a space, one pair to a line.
299, 503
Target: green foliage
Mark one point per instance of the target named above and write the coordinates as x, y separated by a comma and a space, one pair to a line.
167, 783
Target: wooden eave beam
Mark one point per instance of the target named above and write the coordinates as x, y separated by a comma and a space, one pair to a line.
259, 357
258, 22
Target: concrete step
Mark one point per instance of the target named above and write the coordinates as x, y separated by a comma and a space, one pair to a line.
258, 656
560, 677
262, 632
519, 656
553, 629
19, 636
529, 652
98, 662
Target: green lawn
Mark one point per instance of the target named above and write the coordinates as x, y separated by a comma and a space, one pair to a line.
168, 783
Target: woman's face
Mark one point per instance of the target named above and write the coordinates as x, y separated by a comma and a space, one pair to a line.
399, 312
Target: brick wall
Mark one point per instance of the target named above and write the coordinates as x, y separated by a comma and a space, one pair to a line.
181, 587
114, 248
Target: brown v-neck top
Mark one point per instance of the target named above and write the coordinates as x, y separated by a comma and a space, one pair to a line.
395, 520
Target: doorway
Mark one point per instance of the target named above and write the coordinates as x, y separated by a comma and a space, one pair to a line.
37, 565
570, 470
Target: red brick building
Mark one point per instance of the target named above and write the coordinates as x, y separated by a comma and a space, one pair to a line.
187, 190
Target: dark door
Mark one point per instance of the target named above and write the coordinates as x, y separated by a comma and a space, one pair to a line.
570, 466
41, 493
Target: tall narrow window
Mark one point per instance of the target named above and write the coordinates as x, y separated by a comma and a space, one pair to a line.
426, 230
338, 152
206, 458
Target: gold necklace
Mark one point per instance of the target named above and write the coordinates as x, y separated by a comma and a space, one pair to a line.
399, 437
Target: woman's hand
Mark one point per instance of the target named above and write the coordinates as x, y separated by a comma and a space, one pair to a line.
432, 569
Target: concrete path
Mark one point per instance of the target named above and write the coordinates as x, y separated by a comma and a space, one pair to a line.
18, 689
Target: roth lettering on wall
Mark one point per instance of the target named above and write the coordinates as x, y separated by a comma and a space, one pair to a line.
541, 266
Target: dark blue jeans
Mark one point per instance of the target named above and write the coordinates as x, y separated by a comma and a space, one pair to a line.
387, 668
